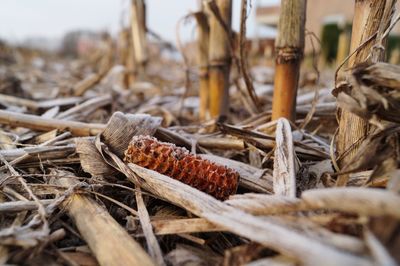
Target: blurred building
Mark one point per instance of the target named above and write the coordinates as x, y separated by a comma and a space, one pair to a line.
330, 21
80, 42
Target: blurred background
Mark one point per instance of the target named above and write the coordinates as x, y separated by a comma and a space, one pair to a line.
44, 24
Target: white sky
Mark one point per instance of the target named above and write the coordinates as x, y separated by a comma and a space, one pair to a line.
20, 19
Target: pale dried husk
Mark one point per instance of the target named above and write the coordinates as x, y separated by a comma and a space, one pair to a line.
117, 135
122, 127
91, 160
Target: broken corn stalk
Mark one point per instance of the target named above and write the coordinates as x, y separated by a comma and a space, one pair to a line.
165, 158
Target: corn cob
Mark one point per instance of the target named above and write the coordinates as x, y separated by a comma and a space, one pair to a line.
165, 158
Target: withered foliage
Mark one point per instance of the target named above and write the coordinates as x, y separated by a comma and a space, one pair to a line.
375, 92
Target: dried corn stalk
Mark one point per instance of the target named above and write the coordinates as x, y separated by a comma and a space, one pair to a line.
202, 57
216, 180
289, 46
370, 17
284, 174
219, 57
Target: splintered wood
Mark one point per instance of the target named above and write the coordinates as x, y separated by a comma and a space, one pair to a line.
102, 232
284, 163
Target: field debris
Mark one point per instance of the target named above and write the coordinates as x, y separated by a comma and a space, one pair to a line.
162, 161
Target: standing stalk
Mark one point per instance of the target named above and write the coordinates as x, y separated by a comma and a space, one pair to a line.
202, 59
220, 59
138, 27
125, 56
289, 47
343, 44
370, 17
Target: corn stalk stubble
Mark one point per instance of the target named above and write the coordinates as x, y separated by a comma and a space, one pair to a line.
370, 17
219, 60
289, 46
